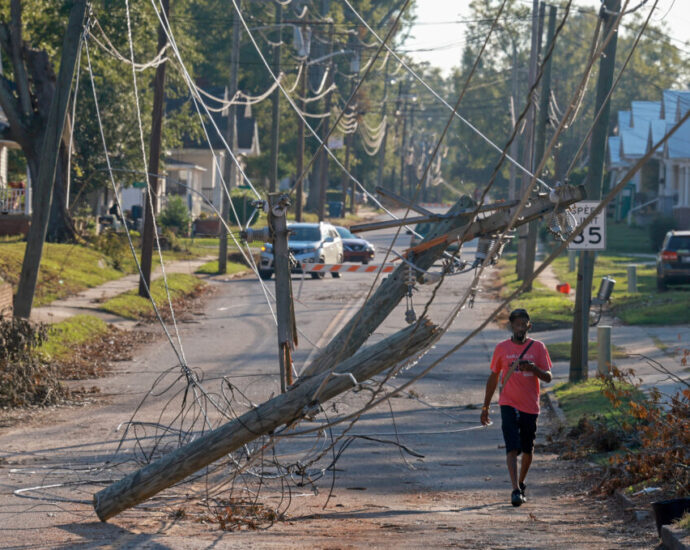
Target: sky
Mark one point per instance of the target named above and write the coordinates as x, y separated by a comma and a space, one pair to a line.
439, 27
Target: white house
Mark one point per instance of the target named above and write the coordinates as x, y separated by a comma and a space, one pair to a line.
638, 129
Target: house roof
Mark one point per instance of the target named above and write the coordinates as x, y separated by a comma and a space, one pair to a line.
644, 111
614, 152
646, 123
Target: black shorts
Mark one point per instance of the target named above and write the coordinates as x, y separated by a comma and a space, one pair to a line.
519, 429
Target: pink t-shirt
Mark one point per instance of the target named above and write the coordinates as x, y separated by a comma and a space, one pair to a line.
522, 389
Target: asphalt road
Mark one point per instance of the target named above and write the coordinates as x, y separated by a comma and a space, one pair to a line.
424, 472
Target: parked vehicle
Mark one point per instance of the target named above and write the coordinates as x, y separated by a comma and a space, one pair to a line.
673, 260
315, 243
355, 248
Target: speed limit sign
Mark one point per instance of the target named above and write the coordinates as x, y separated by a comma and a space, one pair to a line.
593, 235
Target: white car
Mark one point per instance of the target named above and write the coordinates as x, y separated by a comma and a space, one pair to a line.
316, 243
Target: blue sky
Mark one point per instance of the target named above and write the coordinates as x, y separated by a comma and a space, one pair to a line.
439, 29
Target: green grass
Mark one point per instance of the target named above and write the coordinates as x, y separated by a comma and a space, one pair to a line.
65, 269
132, 306
211, 268
644, 307
560, 351
75, 331
624, 239
586, 399
548, 309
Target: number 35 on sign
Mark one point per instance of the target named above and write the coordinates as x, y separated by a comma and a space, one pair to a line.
593, 235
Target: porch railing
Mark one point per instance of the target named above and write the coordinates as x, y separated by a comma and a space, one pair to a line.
15, 201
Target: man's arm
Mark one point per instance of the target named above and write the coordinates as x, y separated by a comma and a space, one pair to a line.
543, 375
491, 384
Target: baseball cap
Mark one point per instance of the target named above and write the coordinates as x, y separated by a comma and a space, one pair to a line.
519, 313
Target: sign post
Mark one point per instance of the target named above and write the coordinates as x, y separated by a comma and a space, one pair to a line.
593, 235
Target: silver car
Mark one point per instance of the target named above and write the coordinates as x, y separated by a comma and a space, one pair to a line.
315, 243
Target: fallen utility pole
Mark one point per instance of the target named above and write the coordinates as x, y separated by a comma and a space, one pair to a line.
151, 209
458, 226
282, 410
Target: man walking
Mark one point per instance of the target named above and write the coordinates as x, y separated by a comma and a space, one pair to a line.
519, 363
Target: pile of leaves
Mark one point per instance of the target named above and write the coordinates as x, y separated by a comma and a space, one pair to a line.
25, 379
659, 451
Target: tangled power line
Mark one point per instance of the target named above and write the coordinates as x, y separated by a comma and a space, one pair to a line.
276, 466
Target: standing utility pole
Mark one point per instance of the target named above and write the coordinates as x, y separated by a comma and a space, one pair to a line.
287, 331
275, 103
527, 232
50, 149
583, 292
229, 164
325, 129
154, 160
382, 152
299, 165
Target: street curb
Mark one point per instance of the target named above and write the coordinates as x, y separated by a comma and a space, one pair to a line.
553, 403
672, 537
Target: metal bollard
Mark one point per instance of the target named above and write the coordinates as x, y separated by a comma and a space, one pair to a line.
632, 278
572, 254
604, 350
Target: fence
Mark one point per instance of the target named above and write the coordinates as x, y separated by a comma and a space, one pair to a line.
15, 201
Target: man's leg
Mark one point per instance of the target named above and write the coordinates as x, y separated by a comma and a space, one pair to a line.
524, 466
511, 461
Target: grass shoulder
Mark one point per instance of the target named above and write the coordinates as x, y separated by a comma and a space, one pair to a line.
548, 309
132, 306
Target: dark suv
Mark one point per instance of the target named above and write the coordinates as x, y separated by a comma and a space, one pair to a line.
673, 261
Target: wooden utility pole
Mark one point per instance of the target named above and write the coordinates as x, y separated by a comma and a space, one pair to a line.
50, 147
229, 168
287, 331
382, 151
403, 149
583, 292
349, 367
325, 129
531, 252
527, 233
283, 409
394, 287
154, 161
299, 165
512, 186
275, 102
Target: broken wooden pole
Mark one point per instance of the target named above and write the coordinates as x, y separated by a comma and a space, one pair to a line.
283, 409
457, 224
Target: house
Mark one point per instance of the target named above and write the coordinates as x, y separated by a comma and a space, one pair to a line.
201, 166
15, 196
662, 186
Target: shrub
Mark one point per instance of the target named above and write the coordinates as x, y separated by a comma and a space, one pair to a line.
658, 229
241, 203
114, 245
175, 216
24, 378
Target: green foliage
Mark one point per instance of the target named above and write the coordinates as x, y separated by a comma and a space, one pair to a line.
560, 351
211, 268
175, 216
658, 229
114, 245
241, 205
